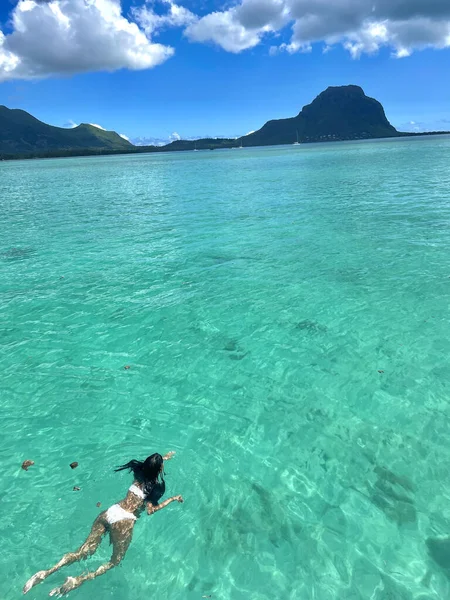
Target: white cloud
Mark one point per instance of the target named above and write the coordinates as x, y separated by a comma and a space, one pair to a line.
257, 14
125, 137
242, 26
70, 124
149, 141
224, 29
62, 37
291, 48
152, 141
98, 126
361, 26
151, 21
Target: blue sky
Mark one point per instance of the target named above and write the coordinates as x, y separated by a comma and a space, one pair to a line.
220, 68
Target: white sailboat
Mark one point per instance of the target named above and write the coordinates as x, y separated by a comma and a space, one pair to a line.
297, 143
195, 147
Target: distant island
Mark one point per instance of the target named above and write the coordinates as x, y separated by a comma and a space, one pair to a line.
337, 114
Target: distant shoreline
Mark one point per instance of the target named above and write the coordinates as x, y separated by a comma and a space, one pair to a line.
190, 145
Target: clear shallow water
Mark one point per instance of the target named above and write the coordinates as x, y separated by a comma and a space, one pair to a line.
255, 295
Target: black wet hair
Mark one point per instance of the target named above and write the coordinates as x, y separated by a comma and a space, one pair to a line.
149, 473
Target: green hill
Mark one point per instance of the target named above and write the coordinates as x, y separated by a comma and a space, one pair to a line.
22, 133
338, 113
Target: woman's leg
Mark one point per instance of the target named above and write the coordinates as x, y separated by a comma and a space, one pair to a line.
89, 547
120, 535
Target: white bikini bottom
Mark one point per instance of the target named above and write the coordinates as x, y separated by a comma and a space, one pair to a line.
116, 513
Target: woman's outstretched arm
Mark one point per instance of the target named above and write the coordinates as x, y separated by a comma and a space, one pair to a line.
169, 455
151, 508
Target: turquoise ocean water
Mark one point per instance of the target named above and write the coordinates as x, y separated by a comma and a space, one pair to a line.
284, 314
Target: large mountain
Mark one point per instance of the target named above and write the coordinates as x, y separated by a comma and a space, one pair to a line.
20, 133
338, 113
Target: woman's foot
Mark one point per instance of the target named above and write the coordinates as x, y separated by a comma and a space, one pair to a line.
70, 584
37, 578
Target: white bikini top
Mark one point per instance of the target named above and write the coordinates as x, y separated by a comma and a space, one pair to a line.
136, 491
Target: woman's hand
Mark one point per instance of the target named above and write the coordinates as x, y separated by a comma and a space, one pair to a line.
151, 508
169, 455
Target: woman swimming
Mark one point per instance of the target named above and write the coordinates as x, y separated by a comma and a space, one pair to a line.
118, 521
